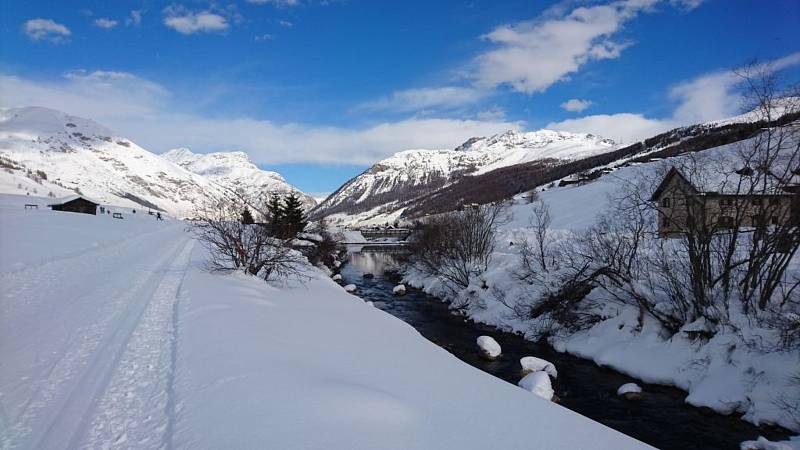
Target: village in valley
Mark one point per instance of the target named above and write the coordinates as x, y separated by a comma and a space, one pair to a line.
524, 227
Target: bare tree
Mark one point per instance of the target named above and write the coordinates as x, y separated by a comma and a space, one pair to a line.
249, 247
458, 246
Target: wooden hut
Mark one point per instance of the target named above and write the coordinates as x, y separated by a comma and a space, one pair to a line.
75, 203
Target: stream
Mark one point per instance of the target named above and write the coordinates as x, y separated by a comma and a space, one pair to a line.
661, 418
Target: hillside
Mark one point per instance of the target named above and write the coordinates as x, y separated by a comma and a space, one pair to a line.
413, 174
360, 200
234, 171
51, 153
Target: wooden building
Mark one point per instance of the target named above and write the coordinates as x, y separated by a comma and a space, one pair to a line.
682, 205
75, 203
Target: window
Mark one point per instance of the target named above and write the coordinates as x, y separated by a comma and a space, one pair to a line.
726, 221
664, 222
756, 202
665, 202
726, 202
774, 201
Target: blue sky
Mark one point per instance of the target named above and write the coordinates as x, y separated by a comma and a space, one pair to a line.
320, 90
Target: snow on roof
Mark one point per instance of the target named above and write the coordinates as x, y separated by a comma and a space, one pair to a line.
69, 198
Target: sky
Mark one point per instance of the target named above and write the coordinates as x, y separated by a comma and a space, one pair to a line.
320, 90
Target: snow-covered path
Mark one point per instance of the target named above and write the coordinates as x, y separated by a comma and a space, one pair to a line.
86, 340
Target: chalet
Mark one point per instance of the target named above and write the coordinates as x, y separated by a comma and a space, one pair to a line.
682, 204
75, 203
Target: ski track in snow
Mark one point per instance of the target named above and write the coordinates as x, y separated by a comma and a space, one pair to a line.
104, 381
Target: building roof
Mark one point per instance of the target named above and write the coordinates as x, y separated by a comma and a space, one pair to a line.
673, 172
69, 198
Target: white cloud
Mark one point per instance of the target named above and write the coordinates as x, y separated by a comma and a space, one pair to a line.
576, 105
285, 23
622, 127
708, 97
264, 37
425, 98
187, 22
531, 56
278, 3
141, 110
135, 18
46, 30
105, 23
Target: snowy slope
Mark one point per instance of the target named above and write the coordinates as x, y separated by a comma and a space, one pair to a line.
411, 173
114, 336
45, 151
234, 171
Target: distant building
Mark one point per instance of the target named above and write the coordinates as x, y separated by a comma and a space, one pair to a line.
75, 203
681, 204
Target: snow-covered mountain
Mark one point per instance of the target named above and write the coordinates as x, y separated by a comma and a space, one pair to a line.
48, 152
234, 171
412, 173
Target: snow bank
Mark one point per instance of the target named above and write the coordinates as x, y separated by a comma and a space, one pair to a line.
763, 443
489, 347
538, 383
533, 364
310, 367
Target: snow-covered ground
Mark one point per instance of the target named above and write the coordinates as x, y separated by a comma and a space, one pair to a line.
112, 335
724, 373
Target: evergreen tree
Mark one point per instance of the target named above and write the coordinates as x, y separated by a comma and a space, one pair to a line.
247, 218
294, 218
275, 211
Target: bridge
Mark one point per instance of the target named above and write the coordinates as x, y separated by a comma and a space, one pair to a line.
383, 233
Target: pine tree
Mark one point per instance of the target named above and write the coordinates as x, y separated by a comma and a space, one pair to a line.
247, 218
294, 218
275, 211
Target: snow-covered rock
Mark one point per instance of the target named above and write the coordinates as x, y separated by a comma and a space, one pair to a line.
533, 364
538, 383
490, 349
350, 288
337, 278
400, 289
630, 391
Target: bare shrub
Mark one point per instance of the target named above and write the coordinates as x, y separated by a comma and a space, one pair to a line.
458, 246
249, 247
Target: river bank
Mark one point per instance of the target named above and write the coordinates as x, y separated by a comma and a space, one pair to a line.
662, 418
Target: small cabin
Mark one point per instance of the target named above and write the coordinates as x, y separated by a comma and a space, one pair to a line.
76, 204
682, 205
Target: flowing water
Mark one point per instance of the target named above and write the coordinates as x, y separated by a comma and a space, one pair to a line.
661, 418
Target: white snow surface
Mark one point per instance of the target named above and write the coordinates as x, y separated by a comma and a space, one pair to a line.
399, 289
114, 335
539, 384
534, 364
